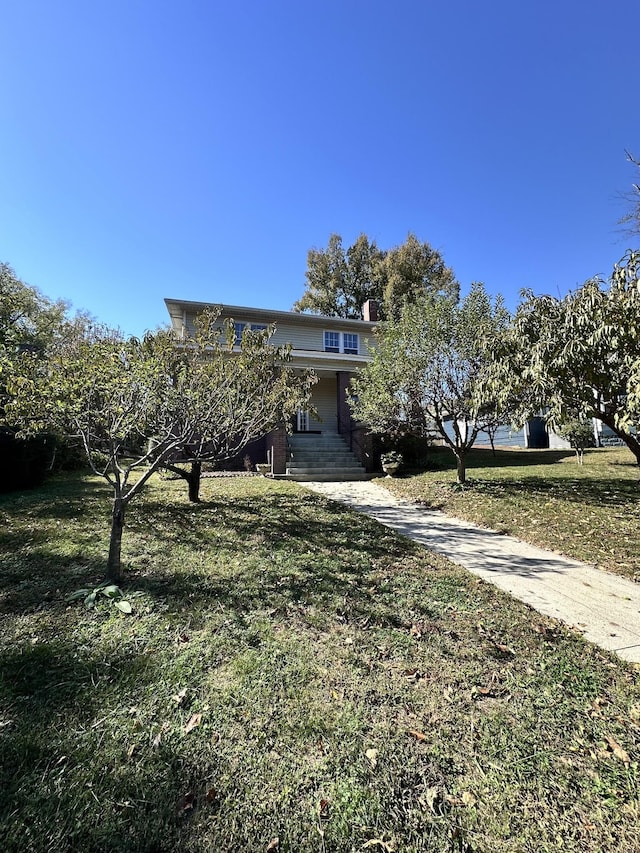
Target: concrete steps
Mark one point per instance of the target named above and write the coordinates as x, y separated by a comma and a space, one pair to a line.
322, 457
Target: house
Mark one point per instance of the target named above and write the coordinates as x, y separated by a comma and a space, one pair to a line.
331, 445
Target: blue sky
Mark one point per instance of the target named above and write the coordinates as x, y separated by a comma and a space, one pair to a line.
199, 149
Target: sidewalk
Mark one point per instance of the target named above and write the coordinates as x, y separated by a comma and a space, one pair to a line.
603, 606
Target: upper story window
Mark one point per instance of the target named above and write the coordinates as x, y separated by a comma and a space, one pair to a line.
332, 342
345, 342
240, 327
350, 343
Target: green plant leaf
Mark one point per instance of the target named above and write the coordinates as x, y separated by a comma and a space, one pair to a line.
90, 600
111, 591
123, 606
79, 593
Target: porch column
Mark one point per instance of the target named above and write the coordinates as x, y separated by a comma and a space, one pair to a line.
276, 442
345, 421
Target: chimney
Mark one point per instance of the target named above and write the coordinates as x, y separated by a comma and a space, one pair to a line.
370, 311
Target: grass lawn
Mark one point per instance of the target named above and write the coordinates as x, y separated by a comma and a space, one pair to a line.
294, 678
589, 512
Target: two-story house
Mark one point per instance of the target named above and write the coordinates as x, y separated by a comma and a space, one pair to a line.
331, 445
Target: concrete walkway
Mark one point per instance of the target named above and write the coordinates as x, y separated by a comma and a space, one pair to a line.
603, 606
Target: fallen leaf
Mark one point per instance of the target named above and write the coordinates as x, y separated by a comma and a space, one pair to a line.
274, 844
372, 755
155, 743
178, 698
211, 796
378, 842
131, 750
123, 606
413, 674
417, 735
186, 803
430, 797
484, 691
618, 751
193, 722
323, 809
506, 649
415, 631
468, 799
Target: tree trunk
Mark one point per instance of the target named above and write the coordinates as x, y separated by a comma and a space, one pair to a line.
461, 469
634, 445
114, 566
632, 441
193, 479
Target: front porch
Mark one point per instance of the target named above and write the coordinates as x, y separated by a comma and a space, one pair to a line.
325, 444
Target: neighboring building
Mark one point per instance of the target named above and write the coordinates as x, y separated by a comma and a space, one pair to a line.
334, 348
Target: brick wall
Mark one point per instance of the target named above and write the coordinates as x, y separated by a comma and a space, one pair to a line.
276, 444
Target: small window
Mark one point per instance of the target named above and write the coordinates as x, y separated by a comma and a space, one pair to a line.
350, 343
239, 329
332, 342
258, 327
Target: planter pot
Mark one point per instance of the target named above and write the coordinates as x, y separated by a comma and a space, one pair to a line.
263, 468
391, 468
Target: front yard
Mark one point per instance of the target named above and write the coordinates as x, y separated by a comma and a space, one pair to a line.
293, 678
589, 512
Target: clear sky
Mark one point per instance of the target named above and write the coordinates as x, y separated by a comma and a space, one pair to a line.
198, 149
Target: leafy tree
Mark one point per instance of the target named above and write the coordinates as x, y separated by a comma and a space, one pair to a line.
27, 318
579, 433
340, 281
429, 372
631, 219
579, 356
236, 400
137, 404
412, 270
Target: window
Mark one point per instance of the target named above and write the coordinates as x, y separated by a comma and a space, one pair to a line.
240, 327
350, 343
345, 342
332, 341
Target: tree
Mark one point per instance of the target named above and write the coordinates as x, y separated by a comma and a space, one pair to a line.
579, 356
137, 404
429, 372
236, 400
631, 219
579, 433
411, 270
339, 282
27, 318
